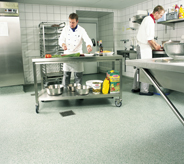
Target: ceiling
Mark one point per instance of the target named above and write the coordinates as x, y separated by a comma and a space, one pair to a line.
108, 4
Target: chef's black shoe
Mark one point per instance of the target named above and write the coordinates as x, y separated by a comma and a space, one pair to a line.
146, 94
135, 90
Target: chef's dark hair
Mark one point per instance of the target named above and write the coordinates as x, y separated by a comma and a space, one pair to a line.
158, 9
73, 16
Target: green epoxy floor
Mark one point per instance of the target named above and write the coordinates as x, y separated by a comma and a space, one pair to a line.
143, 130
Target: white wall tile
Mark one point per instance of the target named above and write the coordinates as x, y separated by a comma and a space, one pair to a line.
50, 9
23, 31
29, 16
43, 9
69, 10
57, 17
22, 16
50, 17
28, 8
21, 7
57, 10
29, 31
43, 17
36, 8
36, 16
22, 23
29, 23
63, 9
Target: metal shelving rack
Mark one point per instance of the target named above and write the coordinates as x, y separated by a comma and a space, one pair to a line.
49, 33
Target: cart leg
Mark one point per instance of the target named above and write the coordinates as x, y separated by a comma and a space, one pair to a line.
37, 108
36, 88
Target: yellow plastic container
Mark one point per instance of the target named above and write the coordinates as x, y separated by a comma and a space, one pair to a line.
181, 13
106, 85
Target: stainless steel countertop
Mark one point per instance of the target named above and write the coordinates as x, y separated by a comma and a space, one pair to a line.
125, 51
166, 64
76, 59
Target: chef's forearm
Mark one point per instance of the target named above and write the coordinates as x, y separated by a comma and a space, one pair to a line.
154, 45
63, 44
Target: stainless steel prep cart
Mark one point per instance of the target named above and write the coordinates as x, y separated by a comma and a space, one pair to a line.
43, 96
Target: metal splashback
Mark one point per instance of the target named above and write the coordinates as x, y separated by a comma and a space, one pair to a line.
9, 9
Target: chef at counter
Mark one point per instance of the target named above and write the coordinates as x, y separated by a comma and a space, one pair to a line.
146, 43
71, 41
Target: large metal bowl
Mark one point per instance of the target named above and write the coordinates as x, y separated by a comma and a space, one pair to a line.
54, 90
174, 50
82, 89
72, 87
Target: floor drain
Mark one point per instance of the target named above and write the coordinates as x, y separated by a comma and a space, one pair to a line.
67, 113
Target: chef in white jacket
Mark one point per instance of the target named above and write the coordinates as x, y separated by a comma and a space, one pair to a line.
71, 41
146, 43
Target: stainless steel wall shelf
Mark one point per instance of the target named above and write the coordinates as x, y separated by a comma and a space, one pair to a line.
171, 23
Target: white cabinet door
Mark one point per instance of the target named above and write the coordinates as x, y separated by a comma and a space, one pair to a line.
91, 67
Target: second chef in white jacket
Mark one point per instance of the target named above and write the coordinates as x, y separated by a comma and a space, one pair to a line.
146, 43
71, 41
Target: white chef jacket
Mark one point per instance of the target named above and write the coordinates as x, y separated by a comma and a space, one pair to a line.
146, 32
73, 41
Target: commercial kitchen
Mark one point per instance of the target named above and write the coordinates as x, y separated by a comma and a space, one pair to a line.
73, 128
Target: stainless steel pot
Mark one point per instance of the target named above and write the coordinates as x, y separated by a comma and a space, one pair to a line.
54, 90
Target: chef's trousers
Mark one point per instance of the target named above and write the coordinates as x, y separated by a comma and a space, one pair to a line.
144, 87
67, 75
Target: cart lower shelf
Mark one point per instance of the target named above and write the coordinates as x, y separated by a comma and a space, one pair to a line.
43, 96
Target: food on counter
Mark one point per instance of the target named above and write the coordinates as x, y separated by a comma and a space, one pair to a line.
103, 52
96, 87
48, 56
114, 78
56, 56
71, 55
106, 85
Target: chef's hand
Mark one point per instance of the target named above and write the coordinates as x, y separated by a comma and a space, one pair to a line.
64, 46
89, 49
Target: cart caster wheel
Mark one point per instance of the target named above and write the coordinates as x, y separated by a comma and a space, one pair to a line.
37, 109
118, 103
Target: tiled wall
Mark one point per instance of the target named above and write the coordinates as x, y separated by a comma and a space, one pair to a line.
125, 14
30, 17
105, 26
115, 24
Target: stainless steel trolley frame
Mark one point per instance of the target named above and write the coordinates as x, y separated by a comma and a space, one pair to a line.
43, 96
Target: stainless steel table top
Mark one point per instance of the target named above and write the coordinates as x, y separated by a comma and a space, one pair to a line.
166, 64
76, 59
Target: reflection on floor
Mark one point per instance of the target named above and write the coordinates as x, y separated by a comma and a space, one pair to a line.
142, 130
